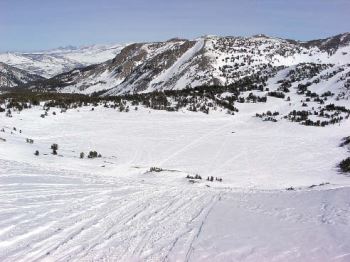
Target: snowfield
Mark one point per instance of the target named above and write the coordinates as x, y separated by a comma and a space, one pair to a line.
63, 208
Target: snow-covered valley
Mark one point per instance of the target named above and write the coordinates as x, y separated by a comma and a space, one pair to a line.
175, 131
212, 149
113, 208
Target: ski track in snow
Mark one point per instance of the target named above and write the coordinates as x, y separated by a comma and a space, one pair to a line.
115, 220
74, 222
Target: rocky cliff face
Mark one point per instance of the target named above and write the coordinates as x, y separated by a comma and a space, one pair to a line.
11, 76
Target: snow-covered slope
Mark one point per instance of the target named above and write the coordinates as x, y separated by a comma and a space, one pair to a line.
52, 62
64, 208
11, 76
208, 60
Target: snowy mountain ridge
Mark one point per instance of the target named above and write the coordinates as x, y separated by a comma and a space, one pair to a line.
209, 60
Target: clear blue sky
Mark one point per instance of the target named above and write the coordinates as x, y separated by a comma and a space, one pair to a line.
42, 24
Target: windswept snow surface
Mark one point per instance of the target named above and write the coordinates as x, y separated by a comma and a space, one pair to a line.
63, 208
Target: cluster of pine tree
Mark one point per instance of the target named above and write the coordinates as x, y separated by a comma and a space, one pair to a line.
331, 113
268, 116
202, 98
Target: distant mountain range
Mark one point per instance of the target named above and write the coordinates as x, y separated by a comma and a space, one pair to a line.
177, 63
53, 62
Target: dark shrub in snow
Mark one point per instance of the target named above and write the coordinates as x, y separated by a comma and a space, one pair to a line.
54, 148
94, 154
345, 141
345, 165
155, 169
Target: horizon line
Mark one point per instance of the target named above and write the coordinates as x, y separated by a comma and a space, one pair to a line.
126, 43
